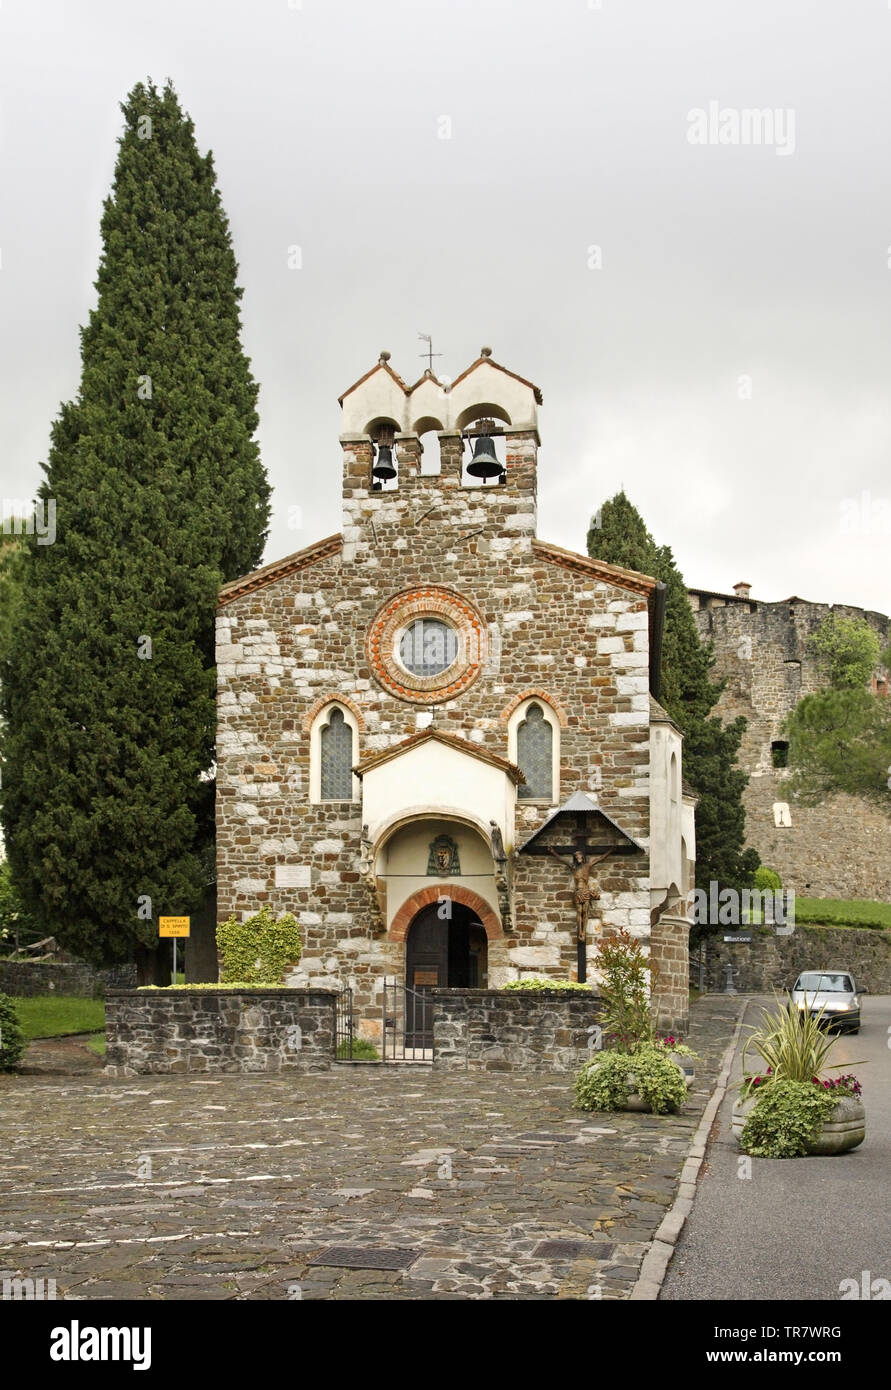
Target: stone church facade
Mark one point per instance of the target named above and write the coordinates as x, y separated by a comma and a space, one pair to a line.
403, 707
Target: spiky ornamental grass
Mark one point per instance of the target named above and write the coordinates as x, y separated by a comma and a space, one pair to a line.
160, 495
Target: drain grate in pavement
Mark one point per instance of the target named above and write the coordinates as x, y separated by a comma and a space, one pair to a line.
573, 1249
365, 1257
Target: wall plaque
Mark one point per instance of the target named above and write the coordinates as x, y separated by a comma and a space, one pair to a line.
292, 876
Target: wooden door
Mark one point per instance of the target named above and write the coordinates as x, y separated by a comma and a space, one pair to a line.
426, 966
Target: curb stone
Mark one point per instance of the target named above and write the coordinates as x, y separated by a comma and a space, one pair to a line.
654, 1266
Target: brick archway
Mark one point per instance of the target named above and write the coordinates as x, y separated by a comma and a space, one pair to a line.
458, 894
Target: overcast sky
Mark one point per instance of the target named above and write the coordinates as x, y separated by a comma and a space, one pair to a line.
730, 361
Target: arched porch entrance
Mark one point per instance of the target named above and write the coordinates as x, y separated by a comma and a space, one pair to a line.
445, 945
446, 950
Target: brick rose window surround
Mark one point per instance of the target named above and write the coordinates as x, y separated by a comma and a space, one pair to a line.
391, 623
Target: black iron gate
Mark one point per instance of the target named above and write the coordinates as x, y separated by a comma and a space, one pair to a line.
407, 1023
347, 1035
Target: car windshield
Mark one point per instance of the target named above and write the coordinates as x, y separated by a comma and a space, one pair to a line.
815, 983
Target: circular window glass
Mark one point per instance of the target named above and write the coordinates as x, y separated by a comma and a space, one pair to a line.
427, 647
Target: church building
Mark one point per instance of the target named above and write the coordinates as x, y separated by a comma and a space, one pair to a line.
439, 738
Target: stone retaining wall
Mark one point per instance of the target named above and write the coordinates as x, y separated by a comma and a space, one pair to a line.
494, 1030
25, 978
269, 1030
771, 962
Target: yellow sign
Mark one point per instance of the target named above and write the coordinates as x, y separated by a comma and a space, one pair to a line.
173, 926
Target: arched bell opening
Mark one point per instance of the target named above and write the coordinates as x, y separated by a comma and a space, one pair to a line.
483, 463
385, 461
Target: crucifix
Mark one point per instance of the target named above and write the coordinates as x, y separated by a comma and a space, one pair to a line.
582, 861
428, 353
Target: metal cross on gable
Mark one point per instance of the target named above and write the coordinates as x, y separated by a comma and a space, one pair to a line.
428, 352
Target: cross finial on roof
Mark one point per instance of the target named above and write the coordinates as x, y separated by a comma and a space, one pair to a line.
428, 353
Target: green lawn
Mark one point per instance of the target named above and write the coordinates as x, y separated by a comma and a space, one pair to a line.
839, 912
50, 1015
96, 1043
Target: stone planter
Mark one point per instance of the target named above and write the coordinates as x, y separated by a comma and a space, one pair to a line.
687, 1066
636, 1102
844, 1130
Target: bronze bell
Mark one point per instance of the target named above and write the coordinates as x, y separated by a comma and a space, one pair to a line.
383, 469
484, 464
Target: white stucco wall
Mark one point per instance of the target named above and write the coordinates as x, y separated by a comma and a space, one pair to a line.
380, 397
402, 861
434, 778
667, 812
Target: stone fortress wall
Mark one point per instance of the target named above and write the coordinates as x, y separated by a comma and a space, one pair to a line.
842, 848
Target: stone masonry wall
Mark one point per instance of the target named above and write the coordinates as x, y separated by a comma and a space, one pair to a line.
772, 962
493, 1030
300, 639
843, 847
670, 959
26, 978
269, 1030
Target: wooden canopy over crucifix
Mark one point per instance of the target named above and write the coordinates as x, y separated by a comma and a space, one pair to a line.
586, 834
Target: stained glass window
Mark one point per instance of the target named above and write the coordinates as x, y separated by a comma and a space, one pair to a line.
336, 757
535, 742
428, 647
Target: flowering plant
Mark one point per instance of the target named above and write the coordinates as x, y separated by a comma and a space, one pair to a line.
846, 1085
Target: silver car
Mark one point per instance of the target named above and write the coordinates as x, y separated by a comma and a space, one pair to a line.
834, 992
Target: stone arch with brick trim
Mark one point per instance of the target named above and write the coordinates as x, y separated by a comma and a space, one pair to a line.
535, 694
333, 698
459, 894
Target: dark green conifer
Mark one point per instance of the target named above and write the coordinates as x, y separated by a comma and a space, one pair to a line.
619, 535
159, 495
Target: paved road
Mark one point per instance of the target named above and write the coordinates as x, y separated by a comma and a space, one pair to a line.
229, 1187
797, 1227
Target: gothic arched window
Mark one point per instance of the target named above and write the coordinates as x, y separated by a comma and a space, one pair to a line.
336, 758
535, 755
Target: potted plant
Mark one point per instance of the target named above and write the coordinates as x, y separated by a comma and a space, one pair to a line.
682, 1056
790, 1109
635, 1070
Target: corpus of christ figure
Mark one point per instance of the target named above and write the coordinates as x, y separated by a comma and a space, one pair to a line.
585, 892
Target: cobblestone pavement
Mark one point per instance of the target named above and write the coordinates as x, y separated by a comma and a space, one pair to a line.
251, 1178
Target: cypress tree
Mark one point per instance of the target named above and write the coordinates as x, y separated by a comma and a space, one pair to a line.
619, 535
159, 496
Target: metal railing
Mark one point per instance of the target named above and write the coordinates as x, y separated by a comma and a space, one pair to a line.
406, 1023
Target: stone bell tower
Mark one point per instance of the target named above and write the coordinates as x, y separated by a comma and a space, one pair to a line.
433, 497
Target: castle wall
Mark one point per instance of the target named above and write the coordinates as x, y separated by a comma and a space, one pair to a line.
841, 848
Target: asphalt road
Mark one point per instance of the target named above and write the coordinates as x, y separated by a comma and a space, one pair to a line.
797, 1227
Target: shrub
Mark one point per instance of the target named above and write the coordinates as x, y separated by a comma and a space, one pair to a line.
767, 880
361, 1051
786, 1116
626, 973
538, 982
12, 1039
217, 985
602, 1083
258, 951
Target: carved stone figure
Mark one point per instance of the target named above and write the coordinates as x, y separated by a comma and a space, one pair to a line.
585, 892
